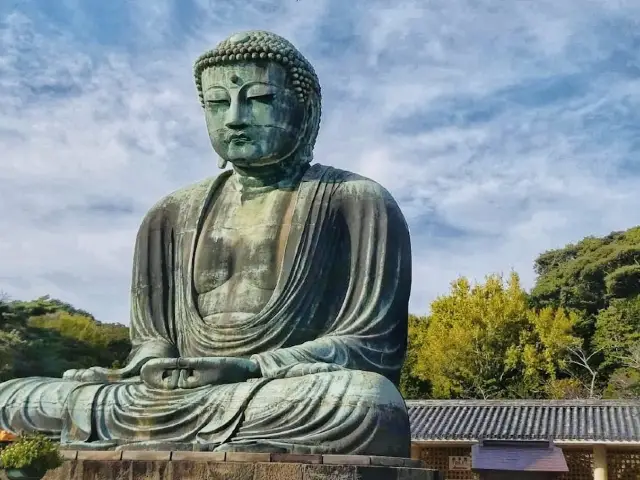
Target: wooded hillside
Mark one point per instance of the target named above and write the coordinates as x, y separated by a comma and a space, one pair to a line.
45, 337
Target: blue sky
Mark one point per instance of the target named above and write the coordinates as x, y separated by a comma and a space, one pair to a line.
503, 128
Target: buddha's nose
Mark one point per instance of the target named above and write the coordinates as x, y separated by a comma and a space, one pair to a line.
235, 116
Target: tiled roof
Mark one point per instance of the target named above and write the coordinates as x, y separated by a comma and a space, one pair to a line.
576, 420
518, 456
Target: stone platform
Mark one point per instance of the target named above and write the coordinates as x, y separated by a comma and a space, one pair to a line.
154, 465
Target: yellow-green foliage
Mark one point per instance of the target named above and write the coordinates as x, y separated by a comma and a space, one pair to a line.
10, 343
566, 389
34, 452
483, 341
411, 385
82, 328
45, 337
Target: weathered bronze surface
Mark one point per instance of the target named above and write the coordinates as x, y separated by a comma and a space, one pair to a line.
268, 304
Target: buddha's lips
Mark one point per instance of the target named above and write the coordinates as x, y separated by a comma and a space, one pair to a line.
234, 137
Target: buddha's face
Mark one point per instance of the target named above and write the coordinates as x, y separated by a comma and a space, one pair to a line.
253, 117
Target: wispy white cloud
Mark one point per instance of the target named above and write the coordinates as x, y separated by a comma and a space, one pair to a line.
502, 129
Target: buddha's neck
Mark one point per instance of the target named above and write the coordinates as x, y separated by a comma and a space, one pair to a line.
269, 177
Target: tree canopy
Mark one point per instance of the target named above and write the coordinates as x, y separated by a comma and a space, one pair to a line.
589, 275
45, 337
483, 341
576, 334
599, 278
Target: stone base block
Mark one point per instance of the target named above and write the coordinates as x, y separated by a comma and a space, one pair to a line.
141, 465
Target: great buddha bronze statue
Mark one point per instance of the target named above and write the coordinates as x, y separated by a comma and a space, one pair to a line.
268, 304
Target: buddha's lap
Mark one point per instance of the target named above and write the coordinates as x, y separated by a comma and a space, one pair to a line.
345, 387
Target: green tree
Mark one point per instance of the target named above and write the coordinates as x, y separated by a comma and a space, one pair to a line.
411, 385
11, 343
599, 279
588, 276
77, 341
45, 337
625, 381
617, 330
483, 341
47, 305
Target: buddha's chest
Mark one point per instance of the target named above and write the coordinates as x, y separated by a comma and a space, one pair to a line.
243, 242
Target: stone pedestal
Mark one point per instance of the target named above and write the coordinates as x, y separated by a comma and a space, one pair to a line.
152, 465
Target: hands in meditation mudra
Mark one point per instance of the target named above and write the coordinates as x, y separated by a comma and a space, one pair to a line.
268, 304
172, 373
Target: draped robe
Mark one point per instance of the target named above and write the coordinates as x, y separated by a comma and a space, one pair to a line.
330, 342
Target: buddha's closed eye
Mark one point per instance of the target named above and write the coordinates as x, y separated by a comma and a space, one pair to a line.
261, 93
264, 98
218, 102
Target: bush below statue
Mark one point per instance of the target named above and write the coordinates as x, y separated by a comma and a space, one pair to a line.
30, 457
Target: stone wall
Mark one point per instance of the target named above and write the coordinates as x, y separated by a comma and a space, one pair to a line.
147, 465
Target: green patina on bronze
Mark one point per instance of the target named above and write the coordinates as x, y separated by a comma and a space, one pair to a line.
268, 304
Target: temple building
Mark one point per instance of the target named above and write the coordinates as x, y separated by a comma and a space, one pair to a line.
600, 439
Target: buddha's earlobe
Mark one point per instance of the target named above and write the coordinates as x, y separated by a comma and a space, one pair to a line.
310, 120
222, 163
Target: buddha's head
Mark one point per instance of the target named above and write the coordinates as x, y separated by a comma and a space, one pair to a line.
261, 99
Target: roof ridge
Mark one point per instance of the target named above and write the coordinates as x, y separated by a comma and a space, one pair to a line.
525, 403
563, 420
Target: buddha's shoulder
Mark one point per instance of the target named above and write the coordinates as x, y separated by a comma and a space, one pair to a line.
195, 192
355, 186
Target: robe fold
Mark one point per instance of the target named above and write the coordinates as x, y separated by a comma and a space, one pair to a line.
330, 342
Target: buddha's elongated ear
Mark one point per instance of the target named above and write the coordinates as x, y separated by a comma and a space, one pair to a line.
222, 163
310, 133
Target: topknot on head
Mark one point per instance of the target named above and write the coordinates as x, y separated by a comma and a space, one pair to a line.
261, 45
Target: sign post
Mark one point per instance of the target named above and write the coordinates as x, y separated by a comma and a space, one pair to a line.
459, 463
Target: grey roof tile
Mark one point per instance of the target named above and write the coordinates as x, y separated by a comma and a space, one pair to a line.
575, 420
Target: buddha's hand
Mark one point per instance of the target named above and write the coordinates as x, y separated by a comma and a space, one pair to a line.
95, 374
172, 373
105, 375
302, 369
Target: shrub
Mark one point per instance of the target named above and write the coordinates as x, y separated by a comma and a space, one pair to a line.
32, 452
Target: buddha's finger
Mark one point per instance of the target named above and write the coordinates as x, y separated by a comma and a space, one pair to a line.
148, 371
170, 379
211, 376
198, 378
195, 363
186, 378
88, 375
101, 370
69, 374
78, 375
152, 365
152, 376
152, 379
160, 364
155, 367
